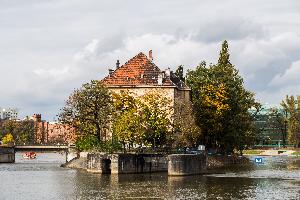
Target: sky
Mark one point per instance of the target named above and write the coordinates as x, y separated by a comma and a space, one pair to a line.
50, 47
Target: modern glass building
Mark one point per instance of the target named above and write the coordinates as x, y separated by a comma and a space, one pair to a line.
271, 126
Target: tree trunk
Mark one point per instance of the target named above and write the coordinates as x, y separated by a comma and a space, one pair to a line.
98, 129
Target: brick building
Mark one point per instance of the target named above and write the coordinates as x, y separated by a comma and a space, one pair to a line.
52, 132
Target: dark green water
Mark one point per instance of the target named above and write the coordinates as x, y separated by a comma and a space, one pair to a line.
43, 179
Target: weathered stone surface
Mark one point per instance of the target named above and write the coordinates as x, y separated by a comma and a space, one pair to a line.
72, 153
7, 154
186, 164
126, 163
219, 161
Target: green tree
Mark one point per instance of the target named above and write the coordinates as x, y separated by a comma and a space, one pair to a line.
88, 109
128, 120
186, 132
221, 104
157, 111
291, 106
143, 120
22, 131
179, 73
277, 122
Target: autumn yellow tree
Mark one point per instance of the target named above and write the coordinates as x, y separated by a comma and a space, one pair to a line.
141, 120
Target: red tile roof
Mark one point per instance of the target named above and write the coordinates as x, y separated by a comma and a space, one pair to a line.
140, 71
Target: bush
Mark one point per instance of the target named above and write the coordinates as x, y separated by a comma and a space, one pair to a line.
87, 143
109, 146
8, 138
91, 143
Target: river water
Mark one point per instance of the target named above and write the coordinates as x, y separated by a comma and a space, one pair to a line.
43, 179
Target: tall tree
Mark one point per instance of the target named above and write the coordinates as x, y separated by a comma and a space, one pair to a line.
179, 73
128, 122
143, 120
186, 132
88, 110
157, 112
221, 103
277, 122
291, 106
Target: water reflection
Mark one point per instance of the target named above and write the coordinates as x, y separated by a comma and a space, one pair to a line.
276, 178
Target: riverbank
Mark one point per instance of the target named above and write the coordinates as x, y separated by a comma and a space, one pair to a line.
273, 152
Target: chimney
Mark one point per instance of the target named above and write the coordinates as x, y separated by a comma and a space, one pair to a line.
150, 55
37, 117
117, 64
110, 71
168, 72
160, 79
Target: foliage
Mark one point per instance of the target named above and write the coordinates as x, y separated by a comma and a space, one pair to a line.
291, 106
277, 121
87, 142
8, 138
186, 132
253, 152
221, 104
88, 109
296, 153
23, 131
143, 120
179, 73
128, 122
157, 111
91, 143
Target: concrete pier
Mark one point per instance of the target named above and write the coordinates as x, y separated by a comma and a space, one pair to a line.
186, 164
7, 154
126, 163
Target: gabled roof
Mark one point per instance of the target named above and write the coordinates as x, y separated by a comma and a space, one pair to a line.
141, 71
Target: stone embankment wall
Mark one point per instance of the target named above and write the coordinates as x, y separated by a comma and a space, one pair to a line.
186, 164
126, 163
78, 162
176, 164
7, 154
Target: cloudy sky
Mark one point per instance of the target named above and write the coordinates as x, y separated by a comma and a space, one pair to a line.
50, 47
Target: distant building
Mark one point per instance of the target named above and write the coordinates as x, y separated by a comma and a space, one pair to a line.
52, 132
8, 113
272, 128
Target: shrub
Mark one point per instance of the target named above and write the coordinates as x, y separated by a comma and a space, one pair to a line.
91, 143
87, 143
8, 138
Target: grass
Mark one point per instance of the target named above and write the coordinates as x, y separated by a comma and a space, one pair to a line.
296, 153
252, 152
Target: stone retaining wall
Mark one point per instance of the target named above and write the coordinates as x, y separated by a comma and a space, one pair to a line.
126, 163
216, 161
7, 154
186, 164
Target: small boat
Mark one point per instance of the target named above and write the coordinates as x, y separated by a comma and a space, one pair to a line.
29, 155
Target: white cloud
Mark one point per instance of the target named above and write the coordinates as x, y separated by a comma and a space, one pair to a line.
289, 77
50, 47
52, 72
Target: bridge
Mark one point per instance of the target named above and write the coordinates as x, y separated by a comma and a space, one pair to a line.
41, 148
